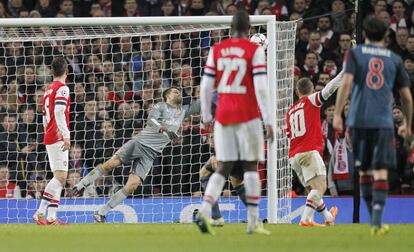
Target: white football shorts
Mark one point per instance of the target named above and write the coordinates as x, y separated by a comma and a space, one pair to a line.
58, 159
308, 165
239, 142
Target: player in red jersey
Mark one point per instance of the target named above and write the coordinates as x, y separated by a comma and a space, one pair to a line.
306, 146
56, 104
236, 67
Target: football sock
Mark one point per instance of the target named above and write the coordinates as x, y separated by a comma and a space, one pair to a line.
252, 185
215, 210
379, 196
115, 200
241, 191
365, 182
327, 216
51, 195
213, 190
90, 178
310, 206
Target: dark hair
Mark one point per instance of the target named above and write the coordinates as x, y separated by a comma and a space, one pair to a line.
58, 66
241, 22
167, 91
304, 86
374, 28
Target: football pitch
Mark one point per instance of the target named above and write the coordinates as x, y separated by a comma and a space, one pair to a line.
180, 237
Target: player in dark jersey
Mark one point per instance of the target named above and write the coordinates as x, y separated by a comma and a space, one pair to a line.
371, 70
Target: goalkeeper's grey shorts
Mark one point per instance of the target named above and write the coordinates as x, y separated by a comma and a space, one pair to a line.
140, 156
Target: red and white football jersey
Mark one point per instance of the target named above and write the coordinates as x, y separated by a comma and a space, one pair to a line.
233, 62
56, 94
304, 125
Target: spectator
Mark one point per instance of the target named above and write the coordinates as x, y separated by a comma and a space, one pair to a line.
183, 7
344, 45
341, 165
73, 178
401, 36
299, 6
340, 20
3, 11
15, 6
77, 106
261, 5
314, 45
105, 143
11, 143
329, 38
398, 18
121, 91
131, 8
37, 185
379, 6
13, 96
125, 122
196, 8
76, 161
66, 8
23, 13
310, 68
409, 46
85, 127
106, 7
70, 52
150, 7
328, 131
168, 8
8, 189
280, 11
123, 56
231, 9
45, 8
102, 100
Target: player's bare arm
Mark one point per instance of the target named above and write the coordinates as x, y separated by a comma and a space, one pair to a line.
341, 98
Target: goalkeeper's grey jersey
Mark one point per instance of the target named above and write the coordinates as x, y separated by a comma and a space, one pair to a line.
170, 119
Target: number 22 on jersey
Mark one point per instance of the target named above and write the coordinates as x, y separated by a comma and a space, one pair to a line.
297, 124
234, 70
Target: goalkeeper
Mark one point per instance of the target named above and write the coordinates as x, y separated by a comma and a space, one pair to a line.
162, 124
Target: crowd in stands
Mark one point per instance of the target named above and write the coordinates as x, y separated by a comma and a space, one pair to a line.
114, 82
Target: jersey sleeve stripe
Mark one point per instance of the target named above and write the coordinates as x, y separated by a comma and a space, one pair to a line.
259, 73
61, 98
209, 75
261, 69
60, 103
259, 66
320, 99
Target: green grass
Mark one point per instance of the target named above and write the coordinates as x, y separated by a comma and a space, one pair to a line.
179, 237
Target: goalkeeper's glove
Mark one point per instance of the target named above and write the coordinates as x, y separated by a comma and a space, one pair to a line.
170, 134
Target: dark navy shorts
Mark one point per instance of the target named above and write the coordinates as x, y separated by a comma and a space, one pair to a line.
373, 148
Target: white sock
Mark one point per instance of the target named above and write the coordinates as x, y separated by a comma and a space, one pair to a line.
321, 208
310, 205
315, 200
51, 198
213, 190
252, 186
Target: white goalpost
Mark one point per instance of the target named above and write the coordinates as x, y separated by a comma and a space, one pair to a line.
118, 68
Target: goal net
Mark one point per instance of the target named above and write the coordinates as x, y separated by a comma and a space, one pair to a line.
118, 69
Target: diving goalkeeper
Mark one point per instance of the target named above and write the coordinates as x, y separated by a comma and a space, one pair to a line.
163, 122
